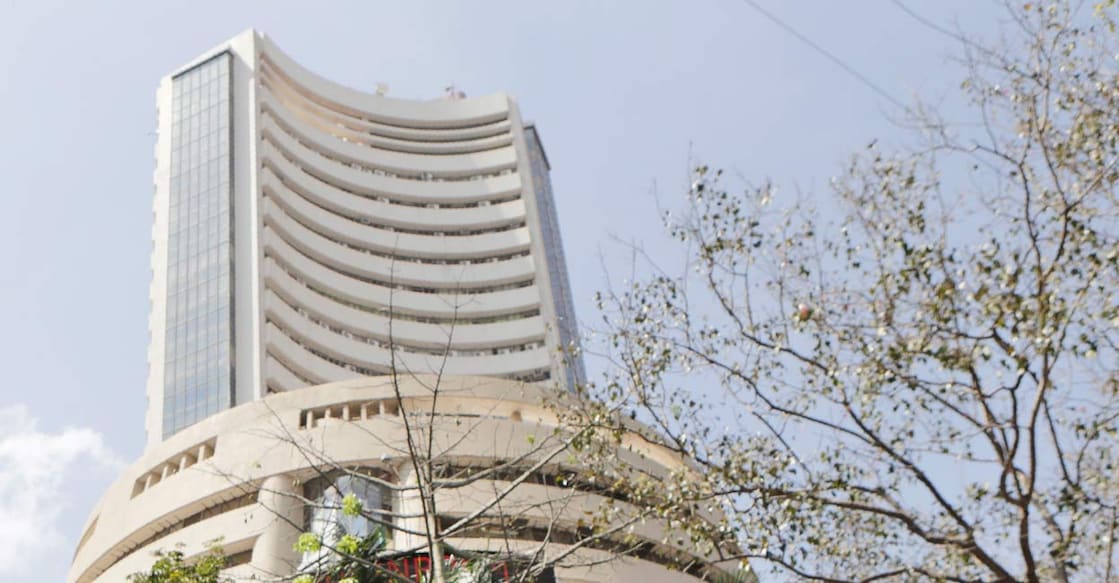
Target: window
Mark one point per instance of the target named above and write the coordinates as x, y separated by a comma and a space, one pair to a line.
197, 372
324, 515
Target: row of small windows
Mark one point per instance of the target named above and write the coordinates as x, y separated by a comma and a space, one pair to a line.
456, 288
369, 169
403, 347
328, 180
384, 312
397, 257
180, 461
536, 375
346, 131
511, 224
354, 368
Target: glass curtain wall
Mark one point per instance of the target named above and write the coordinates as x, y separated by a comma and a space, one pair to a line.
198, 379
557, 264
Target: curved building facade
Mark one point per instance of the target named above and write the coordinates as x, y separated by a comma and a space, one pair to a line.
331, 270
244, 474
307, 233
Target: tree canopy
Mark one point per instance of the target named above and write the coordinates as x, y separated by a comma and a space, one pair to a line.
913, 376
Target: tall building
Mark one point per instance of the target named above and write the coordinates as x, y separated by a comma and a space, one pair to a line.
330, 269
306, 233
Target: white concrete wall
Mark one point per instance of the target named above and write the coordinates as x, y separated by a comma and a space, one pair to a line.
157, 292
424, 206
342, 171
242, 454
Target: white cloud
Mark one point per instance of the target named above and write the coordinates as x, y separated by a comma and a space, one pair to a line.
36, 468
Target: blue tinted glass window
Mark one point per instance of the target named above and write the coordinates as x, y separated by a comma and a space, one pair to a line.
199, 343
557, 264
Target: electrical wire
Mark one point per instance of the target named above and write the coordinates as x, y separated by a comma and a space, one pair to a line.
827, 54
940, 29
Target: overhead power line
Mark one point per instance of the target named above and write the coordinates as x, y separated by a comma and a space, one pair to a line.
956, 36
826, 54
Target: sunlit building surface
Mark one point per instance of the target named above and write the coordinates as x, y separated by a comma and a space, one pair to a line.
307, 233
311, 244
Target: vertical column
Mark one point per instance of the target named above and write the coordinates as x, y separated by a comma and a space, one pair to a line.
273, 554
410, 522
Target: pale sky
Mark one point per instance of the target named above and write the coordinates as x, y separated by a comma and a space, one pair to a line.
623, 92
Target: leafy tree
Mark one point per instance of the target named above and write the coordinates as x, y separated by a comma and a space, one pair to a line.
915, 379
172, 567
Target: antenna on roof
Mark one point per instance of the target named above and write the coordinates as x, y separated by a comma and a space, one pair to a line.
452, 92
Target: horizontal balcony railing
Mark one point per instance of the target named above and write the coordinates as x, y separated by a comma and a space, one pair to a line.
404, 246
486, 276
381, 210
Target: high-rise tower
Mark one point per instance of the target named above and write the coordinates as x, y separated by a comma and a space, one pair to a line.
307, 233
337, 275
